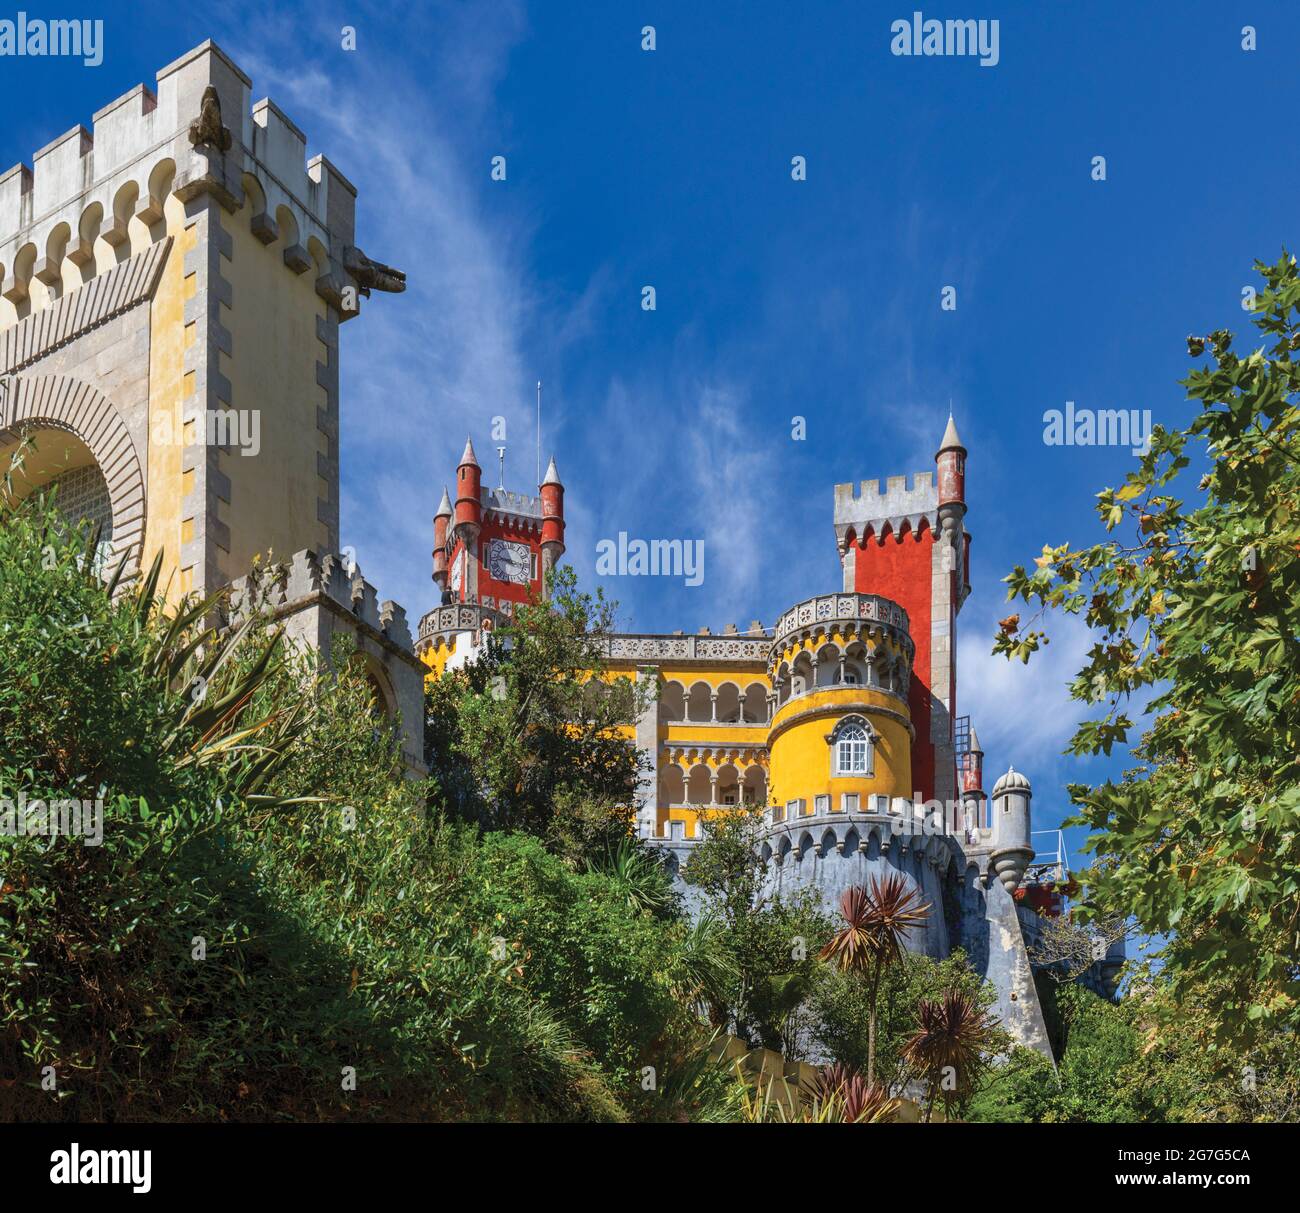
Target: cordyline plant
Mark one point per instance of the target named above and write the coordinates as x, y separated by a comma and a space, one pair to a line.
864, 1102
951, 1047
1198, 606
876, 923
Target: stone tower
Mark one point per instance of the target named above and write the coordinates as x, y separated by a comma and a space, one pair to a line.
173, 286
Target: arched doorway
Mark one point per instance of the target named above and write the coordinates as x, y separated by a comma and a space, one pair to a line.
71, 427
61, 466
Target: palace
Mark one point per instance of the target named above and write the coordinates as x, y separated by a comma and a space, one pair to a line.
839, 720
172, 289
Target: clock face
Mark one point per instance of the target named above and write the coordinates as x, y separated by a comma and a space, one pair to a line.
509, 561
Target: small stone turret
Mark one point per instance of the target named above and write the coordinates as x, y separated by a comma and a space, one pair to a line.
972, 783
469, 501
552, 492
440, 522
1012, 848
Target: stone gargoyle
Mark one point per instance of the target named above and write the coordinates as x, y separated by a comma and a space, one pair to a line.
207, 130
372, 275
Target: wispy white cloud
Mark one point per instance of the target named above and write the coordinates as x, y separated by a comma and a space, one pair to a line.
1023, 713
678, 460
418, 369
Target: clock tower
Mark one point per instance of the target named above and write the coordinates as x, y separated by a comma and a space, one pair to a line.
495, 547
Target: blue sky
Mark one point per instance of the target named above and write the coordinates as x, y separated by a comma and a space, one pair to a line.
775, 298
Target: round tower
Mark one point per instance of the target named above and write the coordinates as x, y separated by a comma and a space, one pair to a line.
845, 811
552, 492
440, 522
841, 734
1012, 848
469, 500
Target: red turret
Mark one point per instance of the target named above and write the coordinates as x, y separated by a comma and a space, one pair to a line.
440, 521
972, 779
469, 497
951, 459
552, 518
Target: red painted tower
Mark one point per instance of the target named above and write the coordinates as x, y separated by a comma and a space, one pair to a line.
440, 522
497, 547
552, 492
909, 544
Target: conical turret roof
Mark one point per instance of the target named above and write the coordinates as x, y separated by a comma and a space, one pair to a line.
444, 506
951, 441
552, 476
468, 456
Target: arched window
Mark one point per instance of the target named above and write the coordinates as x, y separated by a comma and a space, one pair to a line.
853, 751
851, 747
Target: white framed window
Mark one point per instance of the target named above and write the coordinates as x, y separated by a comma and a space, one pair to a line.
852, 749
533, 570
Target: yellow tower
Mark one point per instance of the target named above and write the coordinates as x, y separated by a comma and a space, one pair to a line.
841, 734
171, 287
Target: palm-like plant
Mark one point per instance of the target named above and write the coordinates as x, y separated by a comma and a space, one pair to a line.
644, 879
950, 1047
876, 924
214, 676
707, 971
864, 1102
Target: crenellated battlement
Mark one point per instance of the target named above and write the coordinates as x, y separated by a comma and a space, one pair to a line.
309, 576
871, 505
87, 190
520, 508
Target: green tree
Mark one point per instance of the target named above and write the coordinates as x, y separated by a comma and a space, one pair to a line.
273, 906
1198, 607
771, 943
841, 1007
1089, 1084
536, 735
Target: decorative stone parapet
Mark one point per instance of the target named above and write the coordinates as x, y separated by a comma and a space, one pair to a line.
827, 610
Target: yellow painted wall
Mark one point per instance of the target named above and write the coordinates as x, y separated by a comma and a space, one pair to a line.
801, 758
713, 734
168, 340
715, 678
798, 759
272, 368
436, 656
